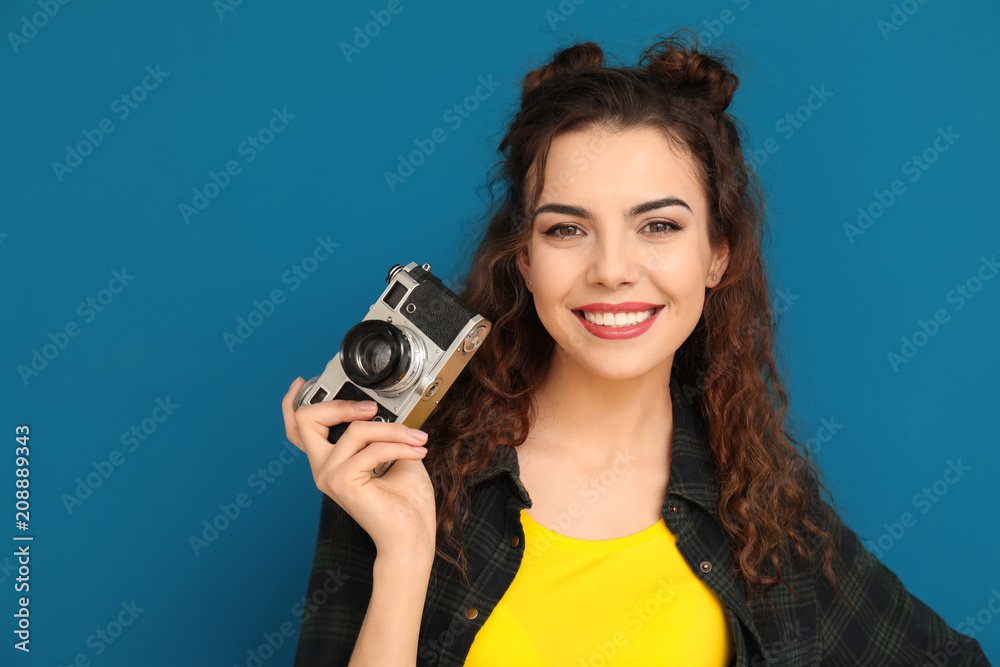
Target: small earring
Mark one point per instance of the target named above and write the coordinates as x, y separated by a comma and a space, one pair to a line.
529, 282
714, 276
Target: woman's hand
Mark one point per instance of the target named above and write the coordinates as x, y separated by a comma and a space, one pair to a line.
397, 510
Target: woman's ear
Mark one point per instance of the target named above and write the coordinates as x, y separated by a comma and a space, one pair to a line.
523, 266
720, 260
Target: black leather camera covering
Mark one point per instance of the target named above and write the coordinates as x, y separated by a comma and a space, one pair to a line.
349, 392
439, 313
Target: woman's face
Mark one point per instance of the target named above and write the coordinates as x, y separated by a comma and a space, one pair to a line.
621, 225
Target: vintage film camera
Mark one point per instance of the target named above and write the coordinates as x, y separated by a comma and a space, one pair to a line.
404, 355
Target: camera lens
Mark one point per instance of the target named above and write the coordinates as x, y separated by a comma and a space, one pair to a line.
377, 355
373, 354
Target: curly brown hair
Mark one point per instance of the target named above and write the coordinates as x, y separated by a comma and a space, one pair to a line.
769, 484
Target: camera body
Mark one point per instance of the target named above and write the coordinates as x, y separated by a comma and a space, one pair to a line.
404, 355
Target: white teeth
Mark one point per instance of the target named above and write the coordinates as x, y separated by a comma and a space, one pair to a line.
616, 320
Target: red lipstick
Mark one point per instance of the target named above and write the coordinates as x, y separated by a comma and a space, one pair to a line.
618, 333
627, 307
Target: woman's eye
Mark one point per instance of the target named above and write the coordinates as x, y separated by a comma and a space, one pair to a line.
571, 230
662, 226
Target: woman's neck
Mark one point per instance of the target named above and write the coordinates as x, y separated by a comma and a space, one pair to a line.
591, 418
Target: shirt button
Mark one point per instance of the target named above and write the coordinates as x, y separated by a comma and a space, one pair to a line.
471, 613
673, 509
706, 566
514, 540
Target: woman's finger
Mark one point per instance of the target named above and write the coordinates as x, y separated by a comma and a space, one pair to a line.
288, 411
344, 482
360, 433
357, 438
319, 418
380, 452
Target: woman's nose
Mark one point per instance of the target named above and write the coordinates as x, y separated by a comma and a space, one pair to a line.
612, 264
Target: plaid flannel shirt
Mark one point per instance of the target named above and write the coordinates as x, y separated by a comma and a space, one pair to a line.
886, 625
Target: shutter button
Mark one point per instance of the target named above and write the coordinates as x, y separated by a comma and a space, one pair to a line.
706, 566
471, 613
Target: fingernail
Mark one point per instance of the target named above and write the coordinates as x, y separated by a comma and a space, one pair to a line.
418, 434
420, 449
365, 405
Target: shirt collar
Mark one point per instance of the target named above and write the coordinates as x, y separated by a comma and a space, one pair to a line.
692, 466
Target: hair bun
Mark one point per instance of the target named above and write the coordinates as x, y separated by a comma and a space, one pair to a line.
691, 71
586, 55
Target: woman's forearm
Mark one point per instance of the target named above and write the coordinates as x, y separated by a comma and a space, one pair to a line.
388, 636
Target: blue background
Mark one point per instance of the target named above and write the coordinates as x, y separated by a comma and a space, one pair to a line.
847, 305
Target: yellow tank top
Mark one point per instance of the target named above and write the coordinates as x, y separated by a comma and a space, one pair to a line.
623, 602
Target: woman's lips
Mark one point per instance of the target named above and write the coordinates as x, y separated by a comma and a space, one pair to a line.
618, 333
626, 307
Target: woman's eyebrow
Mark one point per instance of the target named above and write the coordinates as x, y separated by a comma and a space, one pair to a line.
638, 209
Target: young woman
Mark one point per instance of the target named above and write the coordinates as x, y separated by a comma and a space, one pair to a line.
610, 481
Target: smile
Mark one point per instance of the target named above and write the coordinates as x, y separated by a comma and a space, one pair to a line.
618, 325
618, 319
